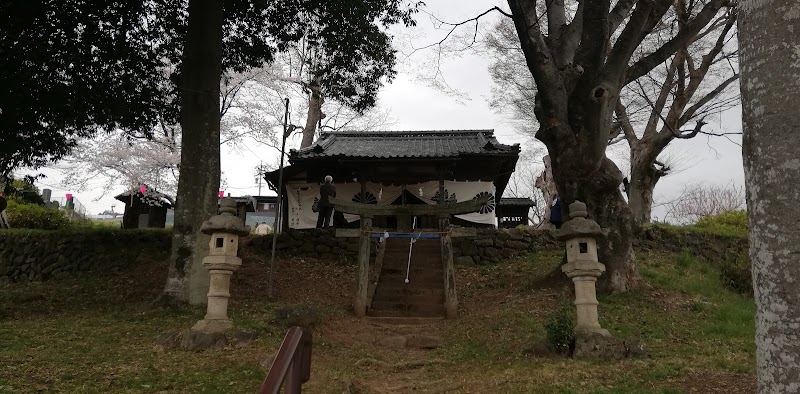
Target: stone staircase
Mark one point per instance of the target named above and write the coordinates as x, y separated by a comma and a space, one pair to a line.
423, 297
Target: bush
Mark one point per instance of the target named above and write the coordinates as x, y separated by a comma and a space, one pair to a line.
725, 222
736, 273
560, 328
33, 216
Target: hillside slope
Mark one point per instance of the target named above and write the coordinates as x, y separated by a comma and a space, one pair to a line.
96, 333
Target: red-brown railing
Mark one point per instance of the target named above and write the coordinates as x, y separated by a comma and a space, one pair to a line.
292, 365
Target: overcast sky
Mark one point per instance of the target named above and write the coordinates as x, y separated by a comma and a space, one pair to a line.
415, 104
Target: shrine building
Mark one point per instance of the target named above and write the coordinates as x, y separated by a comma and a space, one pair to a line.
399, 168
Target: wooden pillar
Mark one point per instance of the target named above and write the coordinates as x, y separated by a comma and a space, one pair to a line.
360, 301
442, 197
363, 192
376, 272
450, 298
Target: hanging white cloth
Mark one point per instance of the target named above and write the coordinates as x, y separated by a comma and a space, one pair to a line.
301, 197
465, 191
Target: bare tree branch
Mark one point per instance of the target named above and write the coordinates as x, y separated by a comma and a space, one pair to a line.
666, 88
627, 128
594, 38
691, 111
556, 20
454, 26
619, 13
571, 37
644, 65
621, 53
540, 61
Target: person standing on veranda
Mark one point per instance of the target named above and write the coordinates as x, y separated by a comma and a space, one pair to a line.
326, 191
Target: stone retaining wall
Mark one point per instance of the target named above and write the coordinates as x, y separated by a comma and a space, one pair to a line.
40, 255
27, 255
489, 246
319, 243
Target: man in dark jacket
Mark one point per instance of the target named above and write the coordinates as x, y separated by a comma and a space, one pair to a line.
555, 213
326, 191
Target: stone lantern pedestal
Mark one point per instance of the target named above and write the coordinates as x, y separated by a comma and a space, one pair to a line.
583, 267
221, 262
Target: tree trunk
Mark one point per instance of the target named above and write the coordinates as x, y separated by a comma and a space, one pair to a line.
200, 162
642, 183
547, 185
641, 202
314, 113
599, 189
770, 64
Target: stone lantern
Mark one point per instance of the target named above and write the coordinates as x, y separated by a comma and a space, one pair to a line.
225, 229
582, 265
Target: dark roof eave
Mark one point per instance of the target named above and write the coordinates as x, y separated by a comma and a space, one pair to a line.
365, 145
460, 156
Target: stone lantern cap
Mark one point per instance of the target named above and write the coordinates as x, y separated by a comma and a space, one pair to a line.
226, 221
579, 226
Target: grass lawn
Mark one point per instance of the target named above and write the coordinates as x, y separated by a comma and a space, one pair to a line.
96, 334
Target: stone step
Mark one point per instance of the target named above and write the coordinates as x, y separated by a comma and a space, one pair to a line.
408, 299
415, 260
423, 260
415, 270
412, 286
404, 320
419, 279
415, 255
405, 314
415, 252
419, 245
423, 296
388, 269
408, 307
433, 292
416, 248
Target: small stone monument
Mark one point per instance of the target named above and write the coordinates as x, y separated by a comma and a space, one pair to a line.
225, 229
582, 266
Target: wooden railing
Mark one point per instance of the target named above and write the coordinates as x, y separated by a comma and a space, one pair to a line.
292, 365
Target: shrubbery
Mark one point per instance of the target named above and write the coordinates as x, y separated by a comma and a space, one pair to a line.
736, 274
735, 267
34, 216
560, 328
725, 222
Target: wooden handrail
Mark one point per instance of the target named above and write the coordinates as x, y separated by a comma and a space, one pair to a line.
292, 365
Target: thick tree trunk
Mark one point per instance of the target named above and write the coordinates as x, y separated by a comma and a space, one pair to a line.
200, 162
769, 39
642, 183
641, 202
314, 113
599, 189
